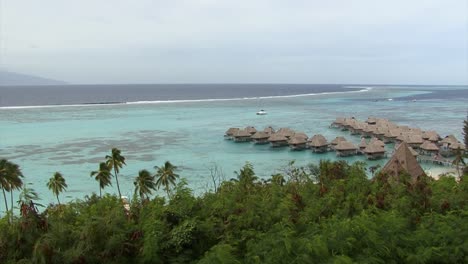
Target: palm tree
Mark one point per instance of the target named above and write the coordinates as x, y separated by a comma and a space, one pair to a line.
144, 183
458, 160
4, 180
115, 161
103, 176
57, 185
166, 176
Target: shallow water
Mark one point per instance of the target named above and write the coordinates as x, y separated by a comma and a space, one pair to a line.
74, 139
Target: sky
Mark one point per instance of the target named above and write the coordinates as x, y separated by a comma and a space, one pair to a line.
242, 41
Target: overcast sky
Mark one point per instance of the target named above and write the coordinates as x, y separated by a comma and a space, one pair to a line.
238, 41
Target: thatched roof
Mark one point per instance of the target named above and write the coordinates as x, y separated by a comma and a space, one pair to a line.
277, 137
242, 133
450, 139
297, 141
414, 152
287, 132
363, 143
301, 135
339, 121
251, 130
457, 145
379, 130
430, 134
337, 140
374, 148
345, 145
371, 120
403, 160
231, 131
427, 145
269, 130
395, 132
415, 139
260, 135
377, 142
318, 141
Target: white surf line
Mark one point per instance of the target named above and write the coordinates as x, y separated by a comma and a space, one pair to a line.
181, 101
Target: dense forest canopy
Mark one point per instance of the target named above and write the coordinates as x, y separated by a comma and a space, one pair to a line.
326, 213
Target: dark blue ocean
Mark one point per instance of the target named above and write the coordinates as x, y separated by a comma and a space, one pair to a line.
110, 94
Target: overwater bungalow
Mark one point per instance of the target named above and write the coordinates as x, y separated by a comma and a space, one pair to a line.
260, 137
278, 140
456, 147
362, 146
338, 123
337, 140
357, 129
368, 131
345, 148
379, 132
448, 140
403, 161
229, 134
428, 148
371, 120
297, 143
377, 142
414, 140
374, 151
287, 132
242, 135
251, 130
301, 135
318, 144
269, 130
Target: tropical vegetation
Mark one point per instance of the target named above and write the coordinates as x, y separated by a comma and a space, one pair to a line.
325, 213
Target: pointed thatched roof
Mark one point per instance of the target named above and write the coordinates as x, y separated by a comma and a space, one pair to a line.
450, 139
301, 135
251, 130
457, 145
403, 160
287, 132
377, 142
269, 130
297, 141
339, 121
318, 141
231, 131
242, 133
427, 145
345, 145
374, 148
337, 140
395, 132
415, 139
260, 135
277, 137
371, 120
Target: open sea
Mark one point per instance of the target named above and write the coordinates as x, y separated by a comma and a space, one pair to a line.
71, 128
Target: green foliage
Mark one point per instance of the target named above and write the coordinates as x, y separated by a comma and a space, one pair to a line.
330, 213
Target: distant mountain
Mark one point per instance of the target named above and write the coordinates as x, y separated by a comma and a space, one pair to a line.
12, 78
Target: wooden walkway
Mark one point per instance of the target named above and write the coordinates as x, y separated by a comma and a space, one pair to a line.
438, 161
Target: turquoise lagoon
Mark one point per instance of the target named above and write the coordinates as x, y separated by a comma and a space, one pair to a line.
74, 139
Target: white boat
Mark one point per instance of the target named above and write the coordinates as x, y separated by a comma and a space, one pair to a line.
261, 112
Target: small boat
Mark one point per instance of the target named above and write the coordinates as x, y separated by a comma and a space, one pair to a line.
261, 112
389, 99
